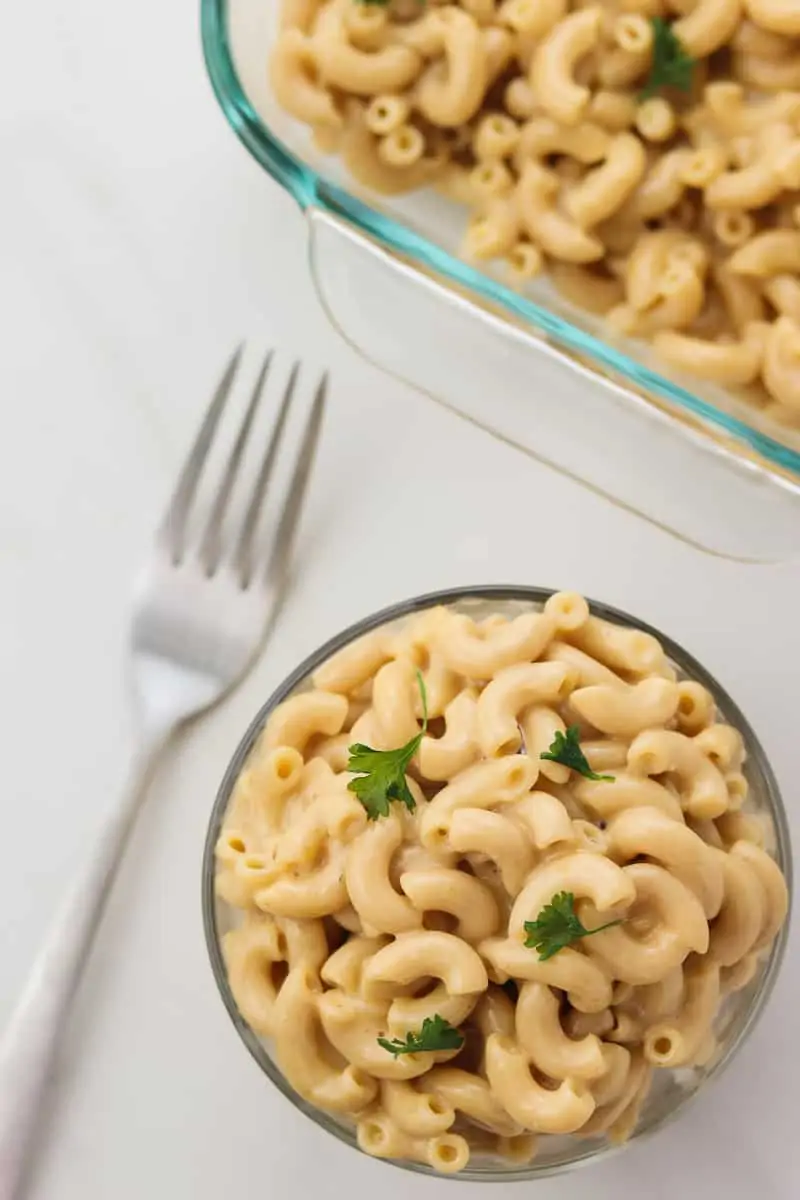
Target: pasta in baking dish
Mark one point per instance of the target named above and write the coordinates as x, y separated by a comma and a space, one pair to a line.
490, 876
646, 152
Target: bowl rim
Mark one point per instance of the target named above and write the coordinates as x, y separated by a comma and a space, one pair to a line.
310, 189
537, 596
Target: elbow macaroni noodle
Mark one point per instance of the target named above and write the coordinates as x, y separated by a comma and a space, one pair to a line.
349, 930
531, 113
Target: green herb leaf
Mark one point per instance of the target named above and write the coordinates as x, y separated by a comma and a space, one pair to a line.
557, 926
566, 749
382, 773
435, 1034
671, 66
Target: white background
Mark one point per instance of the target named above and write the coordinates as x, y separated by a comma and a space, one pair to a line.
137, 243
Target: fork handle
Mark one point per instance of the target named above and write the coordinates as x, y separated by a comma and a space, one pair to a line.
29, 1045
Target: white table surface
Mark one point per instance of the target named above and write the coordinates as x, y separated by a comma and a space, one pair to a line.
137, 243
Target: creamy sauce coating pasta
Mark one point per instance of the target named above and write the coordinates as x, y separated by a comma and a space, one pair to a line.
354, 932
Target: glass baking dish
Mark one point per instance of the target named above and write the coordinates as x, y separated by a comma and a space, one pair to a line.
530, 368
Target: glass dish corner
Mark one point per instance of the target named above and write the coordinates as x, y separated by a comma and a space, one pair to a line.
748, 450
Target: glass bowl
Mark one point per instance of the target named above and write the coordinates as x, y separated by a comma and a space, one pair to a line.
529, 367
671, 1089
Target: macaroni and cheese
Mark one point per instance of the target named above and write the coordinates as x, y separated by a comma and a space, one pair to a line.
660, 192
489, 877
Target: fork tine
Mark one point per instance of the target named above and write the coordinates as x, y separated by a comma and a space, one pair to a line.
290, 517
210, 548
173, 525
242, 560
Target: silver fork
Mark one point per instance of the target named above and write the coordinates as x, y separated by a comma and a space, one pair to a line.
201, 612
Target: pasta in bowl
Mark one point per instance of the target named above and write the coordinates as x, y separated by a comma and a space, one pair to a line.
496, 880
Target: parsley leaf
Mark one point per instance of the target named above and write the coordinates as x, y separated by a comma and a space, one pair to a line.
436, 1034
671, 65
566, 749
557, 926
382, 773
